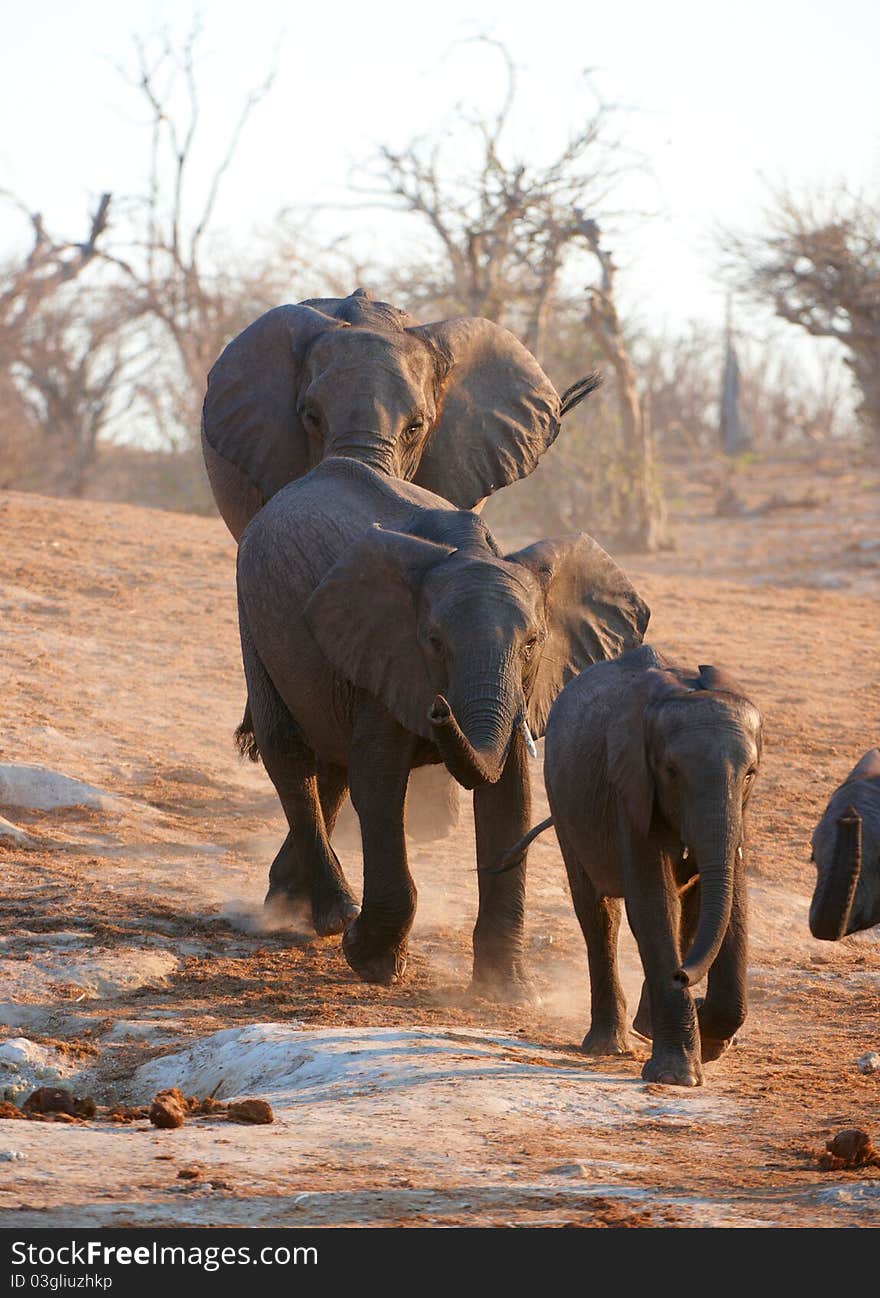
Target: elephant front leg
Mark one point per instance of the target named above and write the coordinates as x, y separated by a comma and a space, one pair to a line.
652, 907
689, 913
375, 945
502, 813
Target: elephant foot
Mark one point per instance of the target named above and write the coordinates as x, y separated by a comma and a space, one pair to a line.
714, 1047
333, 913
605, 1041
718, 1025
285, 909
372, 963
505, 984
673, 1068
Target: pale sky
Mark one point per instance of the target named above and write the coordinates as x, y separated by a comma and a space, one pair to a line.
725, 96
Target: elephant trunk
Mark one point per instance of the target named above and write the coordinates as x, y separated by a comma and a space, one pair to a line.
715, 845
836, 885
471, 764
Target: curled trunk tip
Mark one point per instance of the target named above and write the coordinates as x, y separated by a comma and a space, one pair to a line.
441, 712
470, 766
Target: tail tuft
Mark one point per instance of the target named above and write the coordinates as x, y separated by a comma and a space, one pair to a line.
246, 741
574, 395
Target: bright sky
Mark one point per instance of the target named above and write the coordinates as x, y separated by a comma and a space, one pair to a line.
728, 96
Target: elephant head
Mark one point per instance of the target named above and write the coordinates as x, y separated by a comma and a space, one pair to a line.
846, 850
463, 645
688, 749
459, 406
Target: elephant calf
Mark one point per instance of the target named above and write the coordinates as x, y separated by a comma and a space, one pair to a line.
649, 767
846, 849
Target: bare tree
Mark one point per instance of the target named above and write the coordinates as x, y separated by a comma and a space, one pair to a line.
176, 287
61, 353
817, 264
506, 231
49, 264
504, 228
646, 508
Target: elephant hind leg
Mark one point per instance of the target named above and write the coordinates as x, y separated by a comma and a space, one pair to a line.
306, 872
599, 918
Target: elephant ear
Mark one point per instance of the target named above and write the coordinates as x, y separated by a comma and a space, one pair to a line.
364, 617
593, 613
498, 413
626, 754
252, 438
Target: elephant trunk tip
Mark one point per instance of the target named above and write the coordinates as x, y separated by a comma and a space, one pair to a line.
836, 886
441, 712
470, 766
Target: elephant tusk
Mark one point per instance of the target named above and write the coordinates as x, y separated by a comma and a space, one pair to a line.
527, 736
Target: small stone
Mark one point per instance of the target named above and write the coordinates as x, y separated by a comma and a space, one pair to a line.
869, 1063
168, 1110
56, 1099
255, 1112
190, 1174
207, 1106
11, 1155
851, 1148
8, 1110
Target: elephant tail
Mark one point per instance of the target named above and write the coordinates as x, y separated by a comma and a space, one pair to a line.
245, 739
575, 393
514, 855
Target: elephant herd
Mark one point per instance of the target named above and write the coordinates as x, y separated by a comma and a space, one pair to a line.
383, 629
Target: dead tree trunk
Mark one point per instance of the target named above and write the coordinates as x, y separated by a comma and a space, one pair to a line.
642, 528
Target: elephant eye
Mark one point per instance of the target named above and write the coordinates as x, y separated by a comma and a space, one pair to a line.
436, 644
414, 426
311, 417
529, 647
750, 776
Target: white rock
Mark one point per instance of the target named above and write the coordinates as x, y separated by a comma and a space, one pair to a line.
11, 1155
145, 1030
25, 1065
414, 1070
10, 833
40, 789
99, 972
869, 1063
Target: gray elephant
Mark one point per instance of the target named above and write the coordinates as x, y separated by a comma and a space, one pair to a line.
649, 767
382, 629
846, 850
459, 406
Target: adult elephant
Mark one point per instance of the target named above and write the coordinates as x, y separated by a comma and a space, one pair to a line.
383, 630
458, 406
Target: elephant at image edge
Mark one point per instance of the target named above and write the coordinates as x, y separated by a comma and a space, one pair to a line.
846, 850
459, 406
649, 768
381, 630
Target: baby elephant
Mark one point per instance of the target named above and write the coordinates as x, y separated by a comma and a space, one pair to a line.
649, 767
846, 849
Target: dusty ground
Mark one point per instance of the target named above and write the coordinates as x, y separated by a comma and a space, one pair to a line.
130, 929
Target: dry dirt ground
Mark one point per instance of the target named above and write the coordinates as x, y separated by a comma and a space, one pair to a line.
131, 928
